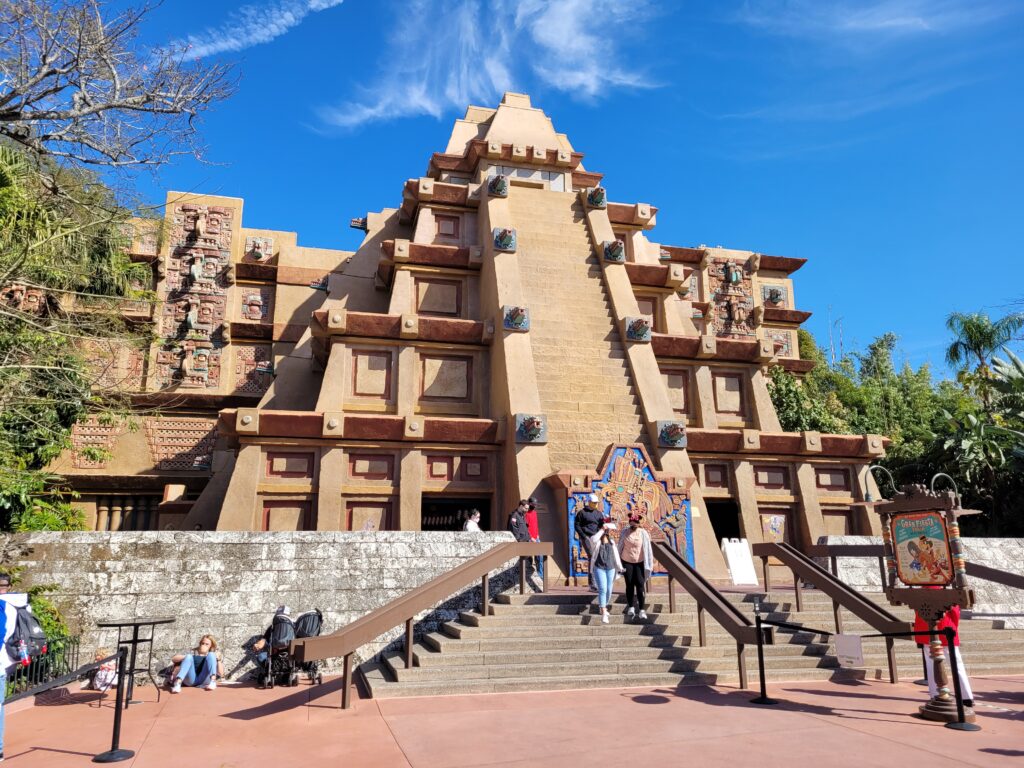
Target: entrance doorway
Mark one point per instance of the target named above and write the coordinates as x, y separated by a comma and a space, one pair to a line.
442, 513
725, 519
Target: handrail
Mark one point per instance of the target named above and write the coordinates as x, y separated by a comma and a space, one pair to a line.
974, 570
363, 630
709, 599
803, 567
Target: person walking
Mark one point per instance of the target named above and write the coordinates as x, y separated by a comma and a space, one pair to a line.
638, 562
606, 566
8, 622
473, 521
588, 525
950, 619
517, 521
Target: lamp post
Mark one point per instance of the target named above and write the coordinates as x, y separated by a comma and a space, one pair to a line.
926, 571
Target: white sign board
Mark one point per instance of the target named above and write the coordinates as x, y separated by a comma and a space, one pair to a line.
850, 651
740, 561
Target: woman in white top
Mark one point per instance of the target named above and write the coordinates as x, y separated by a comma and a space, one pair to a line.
473, 521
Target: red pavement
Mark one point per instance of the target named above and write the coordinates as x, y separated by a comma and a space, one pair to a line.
828, 724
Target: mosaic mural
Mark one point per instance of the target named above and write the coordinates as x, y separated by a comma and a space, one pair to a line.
92, 434
181, 444
627, 485
731, 294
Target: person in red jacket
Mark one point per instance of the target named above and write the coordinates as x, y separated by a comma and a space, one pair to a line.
950, 619
534, 528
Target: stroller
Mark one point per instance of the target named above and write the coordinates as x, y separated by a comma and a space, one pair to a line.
280, 668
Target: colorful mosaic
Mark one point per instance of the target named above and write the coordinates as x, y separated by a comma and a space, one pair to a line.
504, 240
181, 444
515, 318
627, 485
597, 197
638, 329
254, 302
672, 434
531, 428
498, 186
782, 341
614, 251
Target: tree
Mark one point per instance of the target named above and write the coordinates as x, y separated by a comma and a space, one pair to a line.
975, 340
75, 85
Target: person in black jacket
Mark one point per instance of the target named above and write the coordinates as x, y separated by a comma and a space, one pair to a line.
589, 522
517, 521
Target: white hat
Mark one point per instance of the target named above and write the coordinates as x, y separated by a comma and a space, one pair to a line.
592, 497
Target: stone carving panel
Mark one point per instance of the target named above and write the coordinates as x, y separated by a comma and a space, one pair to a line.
730, 291
22, 298
195, 295
255, 303
254, 367
181, 444
783, 342
92, 434
258, 249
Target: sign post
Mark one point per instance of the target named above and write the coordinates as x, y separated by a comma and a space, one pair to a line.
926, 570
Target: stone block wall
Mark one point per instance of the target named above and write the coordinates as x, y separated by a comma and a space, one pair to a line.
992, 601
229, 583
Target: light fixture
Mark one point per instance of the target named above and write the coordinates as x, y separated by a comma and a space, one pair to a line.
868, 497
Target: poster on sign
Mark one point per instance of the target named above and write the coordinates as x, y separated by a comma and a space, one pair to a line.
921, 545
740, 561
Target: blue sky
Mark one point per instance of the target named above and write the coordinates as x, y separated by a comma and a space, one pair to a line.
881, 139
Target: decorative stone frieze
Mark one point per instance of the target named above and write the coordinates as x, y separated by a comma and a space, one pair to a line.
515, 318
531, 428
614, 251
497, 186
504, 239
671, 434
638, 329
597, 197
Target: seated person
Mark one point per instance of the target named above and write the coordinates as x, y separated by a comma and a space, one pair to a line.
199, 668
104, 677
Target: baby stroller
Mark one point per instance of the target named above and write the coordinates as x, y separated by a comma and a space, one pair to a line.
280, 668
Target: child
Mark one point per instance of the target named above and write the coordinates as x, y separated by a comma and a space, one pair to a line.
105, 676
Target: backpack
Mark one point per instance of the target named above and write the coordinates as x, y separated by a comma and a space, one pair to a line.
308, 624
28, 631
282, 632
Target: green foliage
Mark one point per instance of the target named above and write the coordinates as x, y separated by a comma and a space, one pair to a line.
971, 428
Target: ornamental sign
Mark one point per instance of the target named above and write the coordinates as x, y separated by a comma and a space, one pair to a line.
920, 542
626, 485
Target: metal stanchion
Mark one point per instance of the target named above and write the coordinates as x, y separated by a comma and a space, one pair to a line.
961, 724
763, 698
115, 754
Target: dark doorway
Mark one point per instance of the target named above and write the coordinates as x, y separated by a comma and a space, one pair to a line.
442, 514
725, 519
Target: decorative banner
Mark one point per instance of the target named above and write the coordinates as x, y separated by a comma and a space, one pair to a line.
921, 543
627, 485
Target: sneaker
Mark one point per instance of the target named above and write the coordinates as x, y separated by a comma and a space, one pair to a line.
643, 615
630, 612
176, 688
211, 686
604, 617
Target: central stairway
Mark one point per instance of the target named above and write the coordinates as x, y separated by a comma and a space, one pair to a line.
583, 377
557, 641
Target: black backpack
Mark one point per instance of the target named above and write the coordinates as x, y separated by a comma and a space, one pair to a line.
28, 631
282, 632
308, 624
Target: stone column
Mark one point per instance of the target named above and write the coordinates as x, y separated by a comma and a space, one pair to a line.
704, 400
811, 524
410, 490
746, 500
115, 513
765, 417
329, 501
239, 512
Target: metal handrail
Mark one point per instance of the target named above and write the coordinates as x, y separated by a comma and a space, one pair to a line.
367, 628
974, 570
804, 568
709, 599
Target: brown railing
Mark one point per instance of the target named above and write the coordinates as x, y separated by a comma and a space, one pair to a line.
367, 628
804, 568
709, 599
974, 570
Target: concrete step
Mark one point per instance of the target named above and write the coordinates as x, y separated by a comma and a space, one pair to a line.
443, 642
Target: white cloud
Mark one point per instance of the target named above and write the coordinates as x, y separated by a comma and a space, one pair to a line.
252, 25
443, 55
879, 20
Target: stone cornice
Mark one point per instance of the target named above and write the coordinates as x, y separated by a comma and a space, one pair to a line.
785, 264
779, 315
479, 149
719, 441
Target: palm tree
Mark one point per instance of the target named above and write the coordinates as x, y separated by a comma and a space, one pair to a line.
976, 340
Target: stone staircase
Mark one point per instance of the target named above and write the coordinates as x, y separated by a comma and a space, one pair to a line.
557, 641
582, 372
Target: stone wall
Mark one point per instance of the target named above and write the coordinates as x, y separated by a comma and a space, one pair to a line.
229, 583
993, 601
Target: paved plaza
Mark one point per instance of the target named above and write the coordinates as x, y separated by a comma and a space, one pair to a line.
834, 724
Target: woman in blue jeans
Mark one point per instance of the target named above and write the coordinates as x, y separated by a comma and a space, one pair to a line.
198, 669
607, 565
